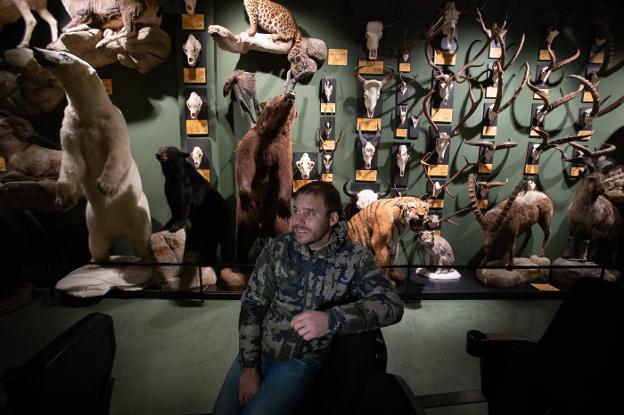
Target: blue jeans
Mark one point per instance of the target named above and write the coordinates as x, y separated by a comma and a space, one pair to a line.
284, 385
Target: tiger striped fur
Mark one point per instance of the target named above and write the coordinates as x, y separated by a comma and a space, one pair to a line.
380, 225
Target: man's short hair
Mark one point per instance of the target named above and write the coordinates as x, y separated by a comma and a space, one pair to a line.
330, 195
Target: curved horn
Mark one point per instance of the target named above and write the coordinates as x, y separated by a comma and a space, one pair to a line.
346, 189
361, 138
510, 200
473, 199
382, 194
388, 78
359, 78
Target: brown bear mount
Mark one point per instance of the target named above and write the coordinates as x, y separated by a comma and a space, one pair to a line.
264, 175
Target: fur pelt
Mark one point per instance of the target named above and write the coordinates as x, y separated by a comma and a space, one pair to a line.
97, 160
264, 173
191, 198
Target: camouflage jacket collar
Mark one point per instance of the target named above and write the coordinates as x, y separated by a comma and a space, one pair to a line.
336, 241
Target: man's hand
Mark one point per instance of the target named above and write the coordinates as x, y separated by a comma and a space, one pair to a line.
248, 385
311, 324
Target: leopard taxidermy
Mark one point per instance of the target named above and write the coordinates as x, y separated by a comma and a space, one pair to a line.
380, 225
276, 20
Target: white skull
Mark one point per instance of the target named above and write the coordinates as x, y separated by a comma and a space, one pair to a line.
374, 32
445, 83
403, 87
441, 144
305, 165
197, 154
190, 6
403, 113
327, 129
414, 121
327, 162
194, 104
435, 189
535, 154
587, 120
451, 17
539, 114
365, 197
328, 88
192, 48
402, 157
372, 91
405, 55
491, 114
368, 151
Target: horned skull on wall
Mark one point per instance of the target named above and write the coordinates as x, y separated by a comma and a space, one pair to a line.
328, 88
189, 6
192, 47
305, 165
369, 146
374, 32
403, 113
372, 89
365, 196
328, 155
402, 158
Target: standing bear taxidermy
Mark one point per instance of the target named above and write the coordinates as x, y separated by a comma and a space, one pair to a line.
264, 174
96, 159
191, 198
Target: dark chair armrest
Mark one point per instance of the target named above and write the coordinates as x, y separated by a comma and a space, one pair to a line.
479, 344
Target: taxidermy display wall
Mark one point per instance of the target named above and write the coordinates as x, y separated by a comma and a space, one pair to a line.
154, 103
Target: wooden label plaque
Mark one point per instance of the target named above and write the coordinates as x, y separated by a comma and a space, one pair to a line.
484, 203
495, 53
596, 57
442, 114
489, 131
435, 203
194, 75
444, 57
533, 133
582, 132
108, 86
543, 90
193, 22
587, 97
366, 175
531, 169
543, 55
491, 91
328, 107
485, 168
401, 132
328, 145
327, 177
337, 57
405, 67
438, 170
368, 124
205, 173
544, 286
372, 68
576, 171
299, 183
2, 164
197, 127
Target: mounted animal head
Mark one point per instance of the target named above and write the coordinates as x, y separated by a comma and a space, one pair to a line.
403, 113
369, 146
197, 154
402, 158
277, 116
189, 6
450, 18
194, 104
445, 85
414, 212
372, 89
305, 165
192, 47
374, 32
328, 155
364, 197
328, 88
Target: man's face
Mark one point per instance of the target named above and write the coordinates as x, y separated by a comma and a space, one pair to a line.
310, 221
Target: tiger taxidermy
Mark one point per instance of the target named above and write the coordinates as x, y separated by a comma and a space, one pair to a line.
380, 225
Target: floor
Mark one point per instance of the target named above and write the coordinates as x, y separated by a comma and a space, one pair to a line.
172, 355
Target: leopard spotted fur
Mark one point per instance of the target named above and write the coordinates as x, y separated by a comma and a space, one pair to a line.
275, 19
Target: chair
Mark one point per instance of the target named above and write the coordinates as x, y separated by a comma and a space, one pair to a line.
353, 380
569, 370
71, 375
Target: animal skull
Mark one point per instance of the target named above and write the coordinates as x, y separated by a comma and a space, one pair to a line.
328, 88
305, 165
405, 55
491, 114
403, 86
197, 154
445, 85
587, 119
442, 142
327, 128
190, 6
403, 113
414, 121
368, 148
451, 17
194, 104
539, 114
328, 159
402, 157
374, 32
192, 48
365, 197
535, 153
436, 188
372, 91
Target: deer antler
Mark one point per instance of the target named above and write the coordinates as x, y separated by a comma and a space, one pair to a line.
595, 111
604, 70
548, 106
444, 187
473, 107
497, 108
554, 66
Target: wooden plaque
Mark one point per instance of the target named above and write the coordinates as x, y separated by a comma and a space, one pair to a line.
444, 57
438, 170
495, 52
368, 124
435, 203
491, 91
401, 132
533, 133
442, 114
587, 96
299, 183
489, 131
197, 127
484, 203
108, 86
194, 75
327, 177
544, 91
405, 67
543, 55
2, 164
337, 57
366, 175
544, 286
485, 168
205, 173
193, 22
373, 68
576, 171
582, 132
596, 57
328, 107
328, 145
531, 169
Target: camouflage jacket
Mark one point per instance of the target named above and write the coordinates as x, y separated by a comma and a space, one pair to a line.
341, 279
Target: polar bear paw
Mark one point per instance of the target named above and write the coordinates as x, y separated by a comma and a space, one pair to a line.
106, 187
67, 196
